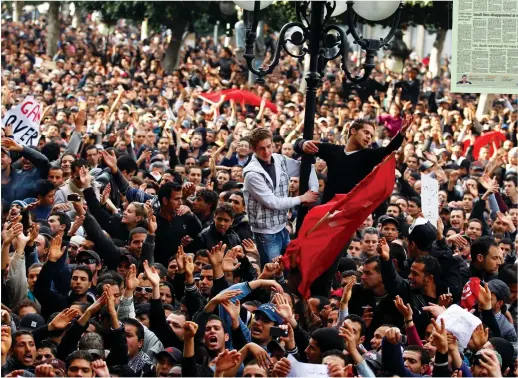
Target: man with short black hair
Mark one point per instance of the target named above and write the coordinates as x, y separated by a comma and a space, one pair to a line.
138, 360
240, 225
204, 204
79, 364
486, 259
220, 230
173, 229
23, 353
52, 301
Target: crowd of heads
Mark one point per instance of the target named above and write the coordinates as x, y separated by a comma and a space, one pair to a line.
127, 248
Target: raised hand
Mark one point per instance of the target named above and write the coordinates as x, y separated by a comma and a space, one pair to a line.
84, 177
480, 336
80, 120
226, 360
269, 270
445, 300
225, 296
393, 335
10, 232
506, 220
110, 160
106, 193
431, 157
234, 310
282, 307
180, 259
347, 292
152, 224
151, 274
434, 310
6, 336
384, 249
100, 368
490, 362
261, 355
131, 278
335, 370
407, 121
189, 265
11, 145
440, 336
405, 310
190, 329
217, 253
484, 297
249, 246
63, 319
44, 370
281, 368
228, 264
110, 299
78, 222
348, 334
97, 305
458, 240
55, 249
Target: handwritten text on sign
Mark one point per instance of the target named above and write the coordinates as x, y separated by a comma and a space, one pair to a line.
430, 198
25, 121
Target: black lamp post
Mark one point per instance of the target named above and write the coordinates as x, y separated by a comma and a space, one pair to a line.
323, 42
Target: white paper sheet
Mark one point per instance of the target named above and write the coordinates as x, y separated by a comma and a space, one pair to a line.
460, 322
300, 369
430, 199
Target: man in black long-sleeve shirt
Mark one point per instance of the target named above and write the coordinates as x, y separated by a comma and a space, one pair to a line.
348, 166
172, 228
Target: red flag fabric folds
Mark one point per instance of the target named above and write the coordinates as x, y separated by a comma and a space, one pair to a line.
238, 95
485, 140
317, 251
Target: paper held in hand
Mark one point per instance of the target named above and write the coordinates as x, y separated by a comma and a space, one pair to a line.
430, 198
460, 322
25, 120
300, 369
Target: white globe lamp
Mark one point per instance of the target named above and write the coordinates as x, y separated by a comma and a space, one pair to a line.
375, 10
249, 5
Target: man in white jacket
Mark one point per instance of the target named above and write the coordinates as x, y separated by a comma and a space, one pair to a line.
266, 194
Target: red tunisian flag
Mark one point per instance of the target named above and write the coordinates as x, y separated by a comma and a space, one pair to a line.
487, 139
327, 228
238, 95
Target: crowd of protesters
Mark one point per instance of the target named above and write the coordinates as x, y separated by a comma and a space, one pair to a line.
133, 234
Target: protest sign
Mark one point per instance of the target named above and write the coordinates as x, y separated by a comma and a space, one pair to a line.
460, 322
300, 369
430, 198
25, 121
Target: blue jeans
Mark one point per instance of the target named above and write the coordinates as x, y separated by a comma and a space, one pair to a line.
271, 245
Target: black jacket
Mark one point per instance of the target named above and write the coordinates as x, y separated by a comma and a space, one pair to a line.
395, 285
210, 237
383, 313
52, 301
169, 235
241, 227
346, 171
108, 251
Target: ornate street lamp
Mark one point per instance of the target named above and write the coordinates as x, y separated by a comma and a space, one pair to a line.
314, 35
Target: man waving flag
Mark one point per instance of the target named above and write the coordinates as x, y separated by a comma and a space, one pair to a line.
327, 228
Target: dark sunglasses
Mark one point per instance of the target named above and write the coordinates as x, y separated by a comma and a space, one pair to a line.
147, 290
88, 261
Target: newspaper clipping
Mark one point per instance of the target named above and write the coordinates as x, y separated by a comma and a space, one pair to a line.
485, 46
